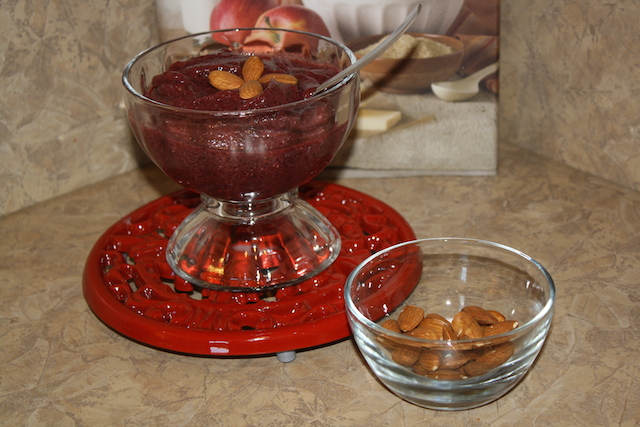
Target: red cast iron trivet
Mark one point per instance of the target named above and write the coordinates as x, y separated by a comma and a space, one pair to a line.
130, 287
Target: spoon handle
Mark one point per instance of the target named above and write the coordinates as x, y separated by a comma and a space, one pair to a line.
386, 44
479, 75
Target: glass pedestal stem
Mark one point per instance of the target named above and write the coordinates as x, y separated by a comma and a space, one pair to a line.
257, 245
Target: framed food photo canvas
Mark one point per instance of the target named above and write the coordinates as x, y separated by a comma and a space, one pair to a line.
404, 127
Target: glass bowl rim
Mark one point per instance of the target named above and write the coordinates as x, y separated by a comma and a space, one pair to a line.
546, 309
126, 81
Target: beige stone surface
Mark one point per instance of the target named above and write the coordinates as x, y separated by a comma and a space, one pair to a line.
61, 366
61, 125
570, 82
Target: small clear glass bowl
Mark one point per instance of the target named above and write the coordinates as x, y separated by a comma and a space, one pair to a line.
442, 276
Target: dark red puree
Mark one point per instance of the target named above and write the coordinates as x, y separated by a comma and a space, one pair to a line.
260, 154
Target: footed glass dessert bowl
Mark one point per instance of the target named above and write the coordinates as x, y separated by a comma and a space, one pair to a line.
241, 126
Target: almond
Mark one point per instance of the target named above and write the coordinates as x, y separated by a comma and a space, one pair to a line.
252, 68
390, 342
466, 326
433, 323
391, 325
499, 317
281, 78
491, 359
405, 356
455, 359
499, 328
224, 80
482, 316
448, 333
425, 333
463, 346
410, 317
429, 360
418, 369
437, 317
250, 89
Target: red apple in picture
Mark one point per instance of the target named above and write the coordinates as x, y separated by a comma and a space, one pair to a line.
237, 14
290, 17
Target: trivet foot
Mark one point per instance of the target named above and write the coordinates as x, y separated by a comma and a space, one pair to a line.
286, 356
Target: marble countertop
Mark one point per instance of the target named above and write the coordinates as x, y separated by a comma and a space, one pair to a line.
62, 366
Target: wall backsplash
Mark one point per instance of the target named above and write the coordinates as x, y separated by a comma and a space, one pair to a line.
61, 125
570, 80
570, 83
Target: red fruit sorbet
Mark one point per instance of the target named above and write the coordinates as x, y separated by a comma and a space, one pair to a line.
234, 149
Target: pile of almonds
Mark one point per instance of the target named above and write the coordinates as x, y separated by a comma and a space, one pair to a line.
452, 361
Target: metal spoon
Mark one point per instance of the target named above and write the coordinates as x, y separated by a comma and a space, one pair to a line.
391, 39
461, 90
